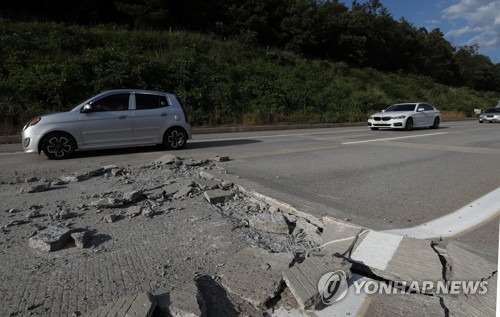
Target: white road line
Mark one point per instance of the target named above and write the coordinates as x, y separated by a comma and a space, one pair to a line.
375, 254
396, 138
465, 219
11, 153
276, 136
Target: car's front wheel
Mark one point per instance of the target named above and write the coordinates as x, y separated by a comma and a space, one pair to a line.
175, 139
409, 124
436, 123
58, 146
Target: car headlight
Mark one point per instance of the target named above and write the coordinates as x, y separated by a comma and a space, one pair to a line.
400, 117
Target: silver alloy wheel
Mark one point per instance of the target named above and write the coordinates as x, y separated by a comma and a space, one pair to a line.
175, 139
59, 146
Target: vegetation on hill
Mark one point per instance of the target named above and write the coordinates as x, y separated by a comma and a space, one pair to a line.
234, 62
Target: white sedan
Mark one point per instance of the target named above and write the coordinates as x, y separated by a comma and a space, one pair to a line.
406, 116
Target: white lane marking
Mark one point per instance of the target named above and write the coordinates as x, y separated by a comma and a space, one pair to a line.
396, 138
12, 153
376, 249
463, 220
277, 136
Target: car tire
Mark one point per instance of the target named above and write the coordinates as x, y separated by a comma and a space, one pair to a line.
436, 123
58, 145
409, 124
480, 121
175, 139
374, 129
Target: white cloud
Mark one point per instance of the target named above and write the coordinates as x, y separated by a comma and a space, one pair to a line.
482, 22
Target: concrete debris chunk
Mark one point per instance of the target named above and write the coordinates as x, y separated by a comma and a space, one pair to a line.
166, 159
109, 168
138, 305
154, 193
110, 218
109, 202
208, 183
33, 213
63, 214
133, 211
269, 222
147, 212
244, 275
290, 218
195, 162
93, 173
50, 239
182, 302
184, 191
117, 171
303, 279
308, 231
71, 178
217, 196
171, 189
36, 188
132, 196
81, 239
220, 158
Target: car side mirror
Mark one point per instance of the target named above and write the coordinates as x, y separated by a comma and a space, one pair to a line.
87, 108
420, 109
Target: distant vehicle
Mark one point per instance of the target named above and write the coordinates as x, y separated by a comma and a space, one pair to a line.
406, 116
490, 115
111, 119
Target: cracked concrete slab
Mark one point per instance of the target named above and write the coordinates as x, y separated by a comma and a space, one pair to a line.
269, 222
50, 239
303, 279
185, 301
468, 267
398, 258
138, 305
216, 196
255, 274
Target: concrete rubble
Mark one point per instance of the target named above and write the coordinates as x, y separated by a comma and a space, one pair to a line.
270, 222
50, 239
272, 263
138, 305
217, 196
255, 274
36, 188
303, 279
186, 301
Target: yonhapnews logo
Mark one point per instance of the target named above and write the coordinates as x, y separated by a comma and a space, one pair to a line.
333, 287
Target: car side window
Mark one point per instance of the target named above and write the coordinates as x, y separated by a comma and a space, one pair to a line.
145, 101
427, 107
117, 102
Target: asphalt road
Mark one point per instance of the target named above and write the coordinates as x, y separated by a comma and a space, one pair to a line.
379, 179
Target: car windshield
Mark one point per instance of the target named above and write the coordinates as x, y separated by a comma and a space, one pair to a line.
402, 107
493, 110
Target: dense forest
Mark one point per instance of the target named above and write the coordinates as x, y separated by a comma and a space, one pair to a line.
234, 61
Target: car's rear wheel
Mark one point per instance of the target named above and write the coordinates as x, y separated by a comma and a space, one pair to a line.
175, 139
437, 121
409, 124
58, 145
374, 129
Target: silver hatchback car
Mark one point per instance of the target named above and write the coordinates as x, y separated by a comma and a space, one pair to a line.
112, 119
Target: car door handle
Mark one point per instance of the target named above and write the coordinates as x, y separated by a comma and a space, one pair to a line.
122, 117
164, 114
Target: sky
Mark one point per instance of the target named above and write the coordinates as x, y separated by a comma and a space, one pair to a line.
463, 22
